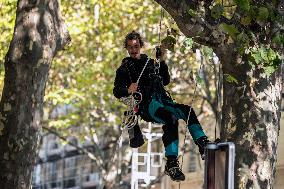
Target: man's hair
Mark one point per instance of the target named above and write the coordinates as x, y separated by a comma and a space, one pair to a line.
133, 35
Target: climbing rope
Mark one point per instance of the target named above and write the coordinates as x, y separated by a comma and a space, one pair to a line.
187, 121
218, 96
219, 100
130, 118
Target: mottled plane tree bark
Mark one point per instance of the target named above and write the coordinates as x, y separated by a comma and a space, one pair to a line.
39, 34
247, 36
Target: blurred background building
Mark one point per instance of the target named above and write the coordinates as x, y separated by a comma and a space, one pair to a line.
64, 166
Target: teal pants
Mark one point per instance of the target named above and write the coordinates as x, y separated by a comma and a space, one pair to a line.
168, 112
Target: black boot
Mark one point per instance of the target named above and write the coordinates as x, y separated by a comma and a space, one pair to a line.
201, 143
173, 170
135, 137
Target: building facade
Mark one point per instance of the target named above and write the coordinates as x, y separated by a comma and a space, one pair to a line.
64, 166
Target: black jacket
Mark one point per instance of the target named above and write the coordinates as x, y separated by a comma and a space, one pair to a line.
129, 72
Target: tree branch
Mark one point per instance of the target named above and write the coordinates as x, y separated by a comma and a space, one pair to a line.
199, 27
195, 27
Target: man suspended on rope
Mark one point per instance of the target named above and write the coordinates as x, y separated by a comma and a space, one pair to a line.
156, 105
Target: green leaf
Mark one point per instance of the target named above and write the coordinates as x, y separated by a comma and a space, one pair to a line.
251, 63
263, 54
229, 29
271, 55
243, 39
246, 20
253, 12
267, 57
241, 50
263, 14
169, 42
188, 42
207, 52
278, 39
192, 12
182, 49
244, 5
217, 11
231, 79
257, 57
269, 70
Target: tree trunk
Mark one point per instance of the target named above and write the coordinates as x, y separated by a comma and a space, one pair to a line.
251, 106
39, 33
251, 119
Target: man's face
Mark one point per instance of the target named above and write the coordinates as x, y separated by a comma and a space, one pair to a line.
133, 48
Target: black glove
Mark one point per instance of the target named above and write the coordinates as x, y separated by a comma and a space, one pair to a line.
158, 52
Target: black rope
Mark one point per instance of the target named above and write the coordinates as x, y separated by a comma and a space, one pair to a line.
218, 98
160, 24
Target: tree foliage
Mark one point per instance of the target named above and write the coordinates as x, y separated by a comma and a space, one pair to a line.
79, 89
84, 76
7, 22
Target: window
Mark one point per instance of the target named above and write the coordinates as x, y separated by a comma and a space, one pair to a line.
70, 172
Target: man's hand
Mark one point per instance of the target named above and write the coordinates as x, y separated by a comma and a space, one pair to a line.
132, 88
